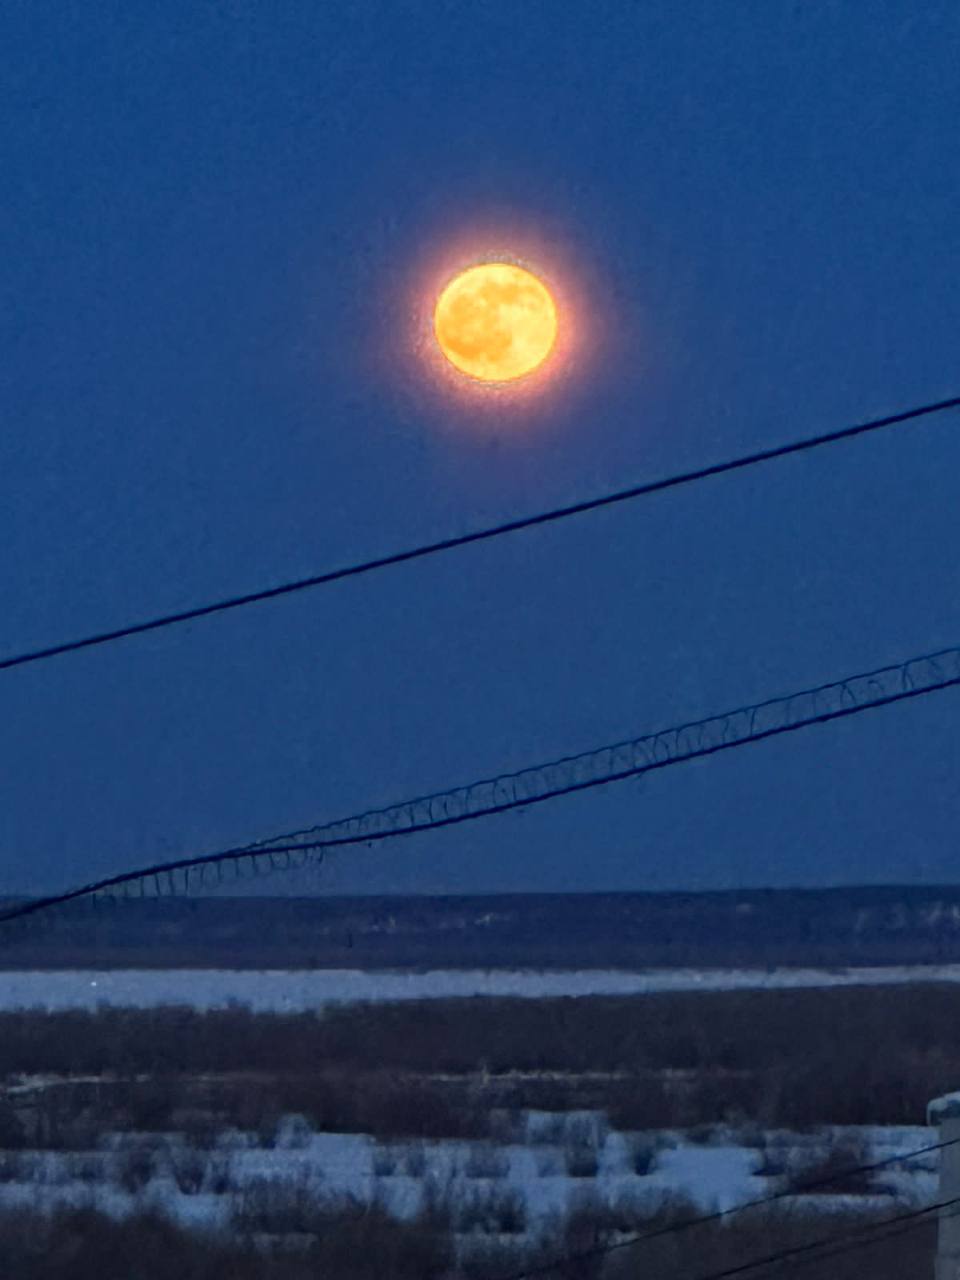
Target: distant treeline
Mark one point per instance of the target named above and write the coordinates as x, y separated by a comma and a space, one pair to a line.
843, 1055
882, 925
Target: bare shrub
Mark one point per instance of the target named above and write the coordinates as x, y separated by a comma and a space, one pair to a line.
549, 1129
589, 1223
773, 1157
293, 1133
693, 1059
188, 1167
856, 1085
491, 1210
506, 1125
33, 1166
135, 1164
199, 1128
277, 1206
150, 1104
701, 1135
247, 1102
268, 1127
380, 1103
414, 1159
352, 1241
12, 1166
592, 1224
581, 1151
416, 1108
340, 1101
84, 1166
79, 1133
485, 1160
42, 1168
642, 1151
50, 1170
715, 1096
833, 1169
480, 1259
641, 1102
57, 1124
900, 1048
581, 1161
385, 1159
550, 1162
259, 1111
234, 1140
880, 1255
12, 1132
436, 1205
360, 1242
219, 1177
83, 1242
120, 1121
627, 1214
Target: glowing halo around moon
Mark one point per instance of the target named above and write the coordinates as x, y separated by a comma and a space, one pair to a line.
495, 322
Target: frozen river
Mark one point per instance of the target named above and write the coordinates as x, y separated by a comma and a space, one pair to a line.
302, 989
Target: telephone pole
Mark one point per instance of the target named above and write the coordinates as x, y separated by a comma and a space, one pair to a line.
945, 1113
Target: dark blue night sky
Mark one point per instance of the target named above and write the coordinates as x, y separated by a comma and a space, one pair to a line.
215, 222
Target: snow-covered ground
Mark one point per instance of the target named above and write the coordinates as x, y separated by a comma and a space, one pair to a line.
718, 1175
301, 989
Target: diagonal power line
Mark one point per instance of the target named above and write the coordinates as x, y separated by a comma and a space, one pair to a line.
835, 1244
539, 783
828, 1246
822, 1248
478, 535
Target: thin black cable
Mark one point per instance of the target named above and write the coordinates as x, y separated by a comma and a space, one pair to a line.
847, 1240
521, 801
479, 535
720, 1215
854, 1242
851, 1247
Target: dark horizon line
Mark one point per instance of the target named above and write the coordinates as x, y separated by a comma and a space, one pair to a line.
858, 886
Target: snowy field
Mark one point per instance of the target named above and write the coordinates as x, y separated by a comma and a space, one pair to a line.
531, 1175
303, 989
527, 1181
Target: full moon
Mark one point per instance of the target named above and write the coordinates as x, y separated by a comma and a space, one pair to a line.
495, 322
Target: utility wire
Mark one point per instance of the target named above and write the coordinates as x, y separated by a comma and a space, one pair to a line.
479, 535
721, 1215
850, 696
847, 1242
853, 1245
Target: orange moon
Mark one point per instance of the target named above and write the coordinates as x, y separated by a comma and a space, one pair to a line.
495, 322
